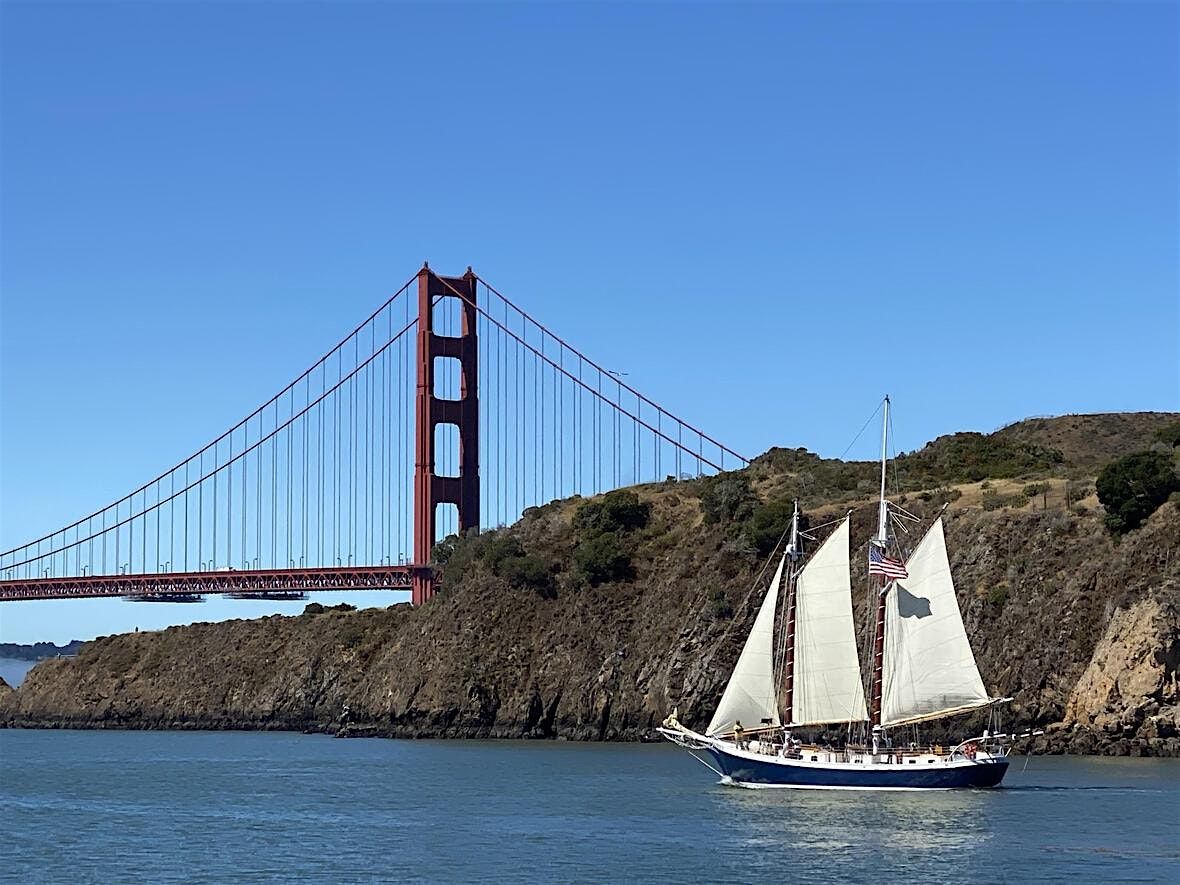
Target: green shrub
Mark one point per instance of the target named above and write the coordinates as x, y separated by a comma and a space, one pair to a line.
453, 555
619, 511
351, 636
727, 497
720, 605
313, 608
1170, 434
998, 595
992, 500
971, 457
941, 495
602, 558
1131, 488
500, 553
498, 548
769, 523
528, 572
1035, 488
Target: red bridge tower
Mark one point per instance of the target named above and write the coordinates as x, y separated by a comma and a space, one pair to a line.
431, 489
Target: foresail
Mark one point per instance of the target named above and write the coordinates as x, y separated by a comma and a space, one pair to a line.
751, 696
827, 684
929, 668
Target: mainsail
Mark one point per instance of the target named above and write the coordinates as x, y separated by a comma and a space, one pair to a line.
751, 697
827, 681
929, 669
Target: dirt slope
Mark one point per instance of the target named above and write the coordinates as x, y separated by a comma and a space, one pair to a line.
1082, 630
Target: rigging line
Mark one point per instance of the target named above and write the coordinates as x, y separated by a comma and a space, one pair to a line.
893, 442
271, 438
720, 774
755, 584
573, 350
591, 390
862, 430
809, 534
256, 412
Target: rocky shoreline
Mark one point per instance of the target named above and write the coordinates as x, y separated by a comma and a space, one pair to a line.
527, 667
1080, 627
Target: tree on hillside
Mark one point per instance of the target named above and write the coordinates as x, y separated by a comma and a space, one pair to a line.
1170, 434
1132, 487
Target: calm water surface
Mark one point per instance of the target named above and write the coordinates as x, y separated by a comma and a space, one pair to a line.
208, 807
13, 671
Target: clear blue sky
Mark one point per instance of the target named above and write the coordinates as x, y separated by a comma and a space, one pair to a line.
972, 206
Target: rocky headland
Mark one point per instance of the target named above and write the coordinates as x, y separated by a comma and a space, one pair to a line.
592, 619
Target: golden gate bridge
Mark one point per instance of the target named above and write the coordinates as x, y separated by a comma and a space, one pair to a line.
448, 409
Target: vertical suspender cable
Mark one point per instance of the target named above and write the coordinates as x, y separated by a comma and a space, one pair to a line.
200, 510
213, 559
274, 492
304, 559
288, 509
350, 546
382, 545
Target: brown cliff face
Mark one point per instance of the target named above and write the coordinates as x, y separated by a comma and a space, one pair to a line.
1081, 630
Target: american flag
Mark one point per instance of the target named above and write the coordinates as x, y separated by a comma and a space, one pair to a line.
880, 564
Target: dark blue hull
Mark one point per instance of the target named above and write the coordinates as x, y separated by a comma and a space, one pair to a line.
777, 772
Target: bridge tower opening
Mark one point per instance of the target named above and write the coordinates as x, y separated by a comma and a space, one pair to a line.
430, 488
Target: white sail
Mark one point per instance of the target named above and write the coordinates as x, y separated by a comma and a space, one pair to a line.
827, 680
929, 669
751, 695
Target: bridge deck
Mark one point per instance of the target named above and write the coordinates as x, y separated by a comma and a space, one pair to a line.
381, 577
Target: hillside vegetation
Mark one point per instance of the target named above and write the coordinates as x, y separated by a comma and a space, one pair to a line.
592, 619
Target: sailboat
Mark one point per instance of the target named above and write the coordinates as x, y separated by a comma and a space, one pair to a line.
923, 669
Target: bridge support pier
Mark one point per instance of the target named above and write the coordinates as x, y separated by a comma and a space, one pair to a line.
431, 489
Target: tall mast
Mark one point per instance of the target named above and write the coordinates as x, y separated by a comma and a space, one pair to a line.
881, 540
789, 645
883, 506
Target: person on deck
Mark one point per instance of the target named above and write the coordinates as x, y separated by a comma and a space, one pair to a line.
738, 733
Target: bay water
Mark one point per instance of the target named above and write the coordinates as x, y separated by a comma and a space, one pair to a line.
13, 671
113, 806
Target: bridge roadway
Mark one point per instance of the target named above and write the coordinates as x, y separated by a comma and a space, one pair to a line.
378, 577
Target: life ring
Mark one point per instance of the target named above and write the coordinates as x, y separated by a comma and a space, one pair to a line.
969, 750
